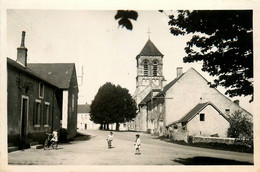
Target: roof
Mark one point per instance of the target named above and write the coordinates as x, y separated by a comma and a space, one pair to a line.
147, 98
57, 73
169, 85
150, 50
197, 109
83, 108
27, 71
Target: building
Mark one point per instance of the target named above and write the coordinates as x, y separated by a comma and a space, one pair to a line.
32, 105
40, 98
189, 98
185, 106
64, 76
149, 77
84, 122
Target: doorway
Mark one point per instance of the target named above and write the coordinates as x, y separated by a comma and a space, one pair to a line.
24, 115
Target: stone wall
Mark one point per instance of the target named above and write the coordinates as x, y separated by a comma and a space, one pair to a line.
201, 139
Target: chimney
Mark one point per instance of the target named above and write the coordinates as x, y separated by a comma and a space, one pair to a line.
179, 71
236, 102
22, 52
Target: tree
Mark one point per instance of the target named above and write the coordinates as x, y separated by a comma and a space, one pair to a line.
112, 104
223, 41
124, 17
241, 127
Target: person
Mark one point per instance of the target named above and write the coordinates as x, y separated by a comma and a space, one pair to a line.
55, 136
137, 145
109, 140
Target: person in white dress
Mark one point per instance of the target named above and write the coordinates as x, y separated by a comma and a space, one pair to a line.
137, 145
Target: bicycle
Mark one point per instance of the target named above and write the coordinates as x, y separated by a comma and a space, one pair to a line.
50, 143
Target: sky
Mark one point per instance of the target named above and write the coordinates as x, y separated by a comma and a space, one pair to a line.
93, 40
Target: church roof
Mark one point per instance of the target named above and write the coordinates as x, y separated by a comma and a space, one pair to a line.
150, 50
57, 73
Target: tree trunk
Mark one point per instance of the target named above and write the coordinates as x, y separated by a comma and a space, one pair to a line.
101, 127
107, 126
117, 126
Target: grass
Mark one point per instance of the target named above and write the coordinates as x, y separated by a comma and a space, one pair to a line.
218, 146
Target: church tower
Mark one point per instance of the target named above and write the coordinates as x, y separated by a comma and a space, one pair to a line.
149, 71
149, 79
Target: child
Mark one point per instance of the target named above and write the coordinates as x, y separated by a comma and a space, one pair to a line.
109, 140
55, 136
137, 145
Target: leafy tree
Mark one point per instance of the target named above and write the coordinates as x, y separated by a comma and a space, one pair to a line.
241, 127
223, 41
124, 17
112, 104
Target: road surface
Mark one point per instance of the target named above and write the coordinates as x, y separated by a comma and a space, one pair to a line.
91, 149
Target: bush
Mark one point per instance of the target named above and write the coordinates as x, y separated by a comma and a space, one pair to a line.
241, 128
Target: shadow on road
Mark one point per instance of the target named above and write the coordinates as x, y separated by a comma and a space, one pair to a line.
81, 137
78, 137
201, 160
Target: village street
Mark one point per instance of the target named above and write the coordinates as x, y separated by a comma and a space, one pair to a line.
92, 150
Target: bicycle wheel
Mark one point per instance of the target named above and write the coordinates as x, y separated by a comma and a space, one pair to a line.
45, 144
55, 145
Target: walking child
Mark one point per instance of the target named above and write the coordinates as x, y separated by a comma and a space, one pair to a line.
109, 140
137, 145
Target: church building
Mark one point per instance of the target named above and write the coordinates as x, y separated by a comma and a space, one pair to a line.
149, 77
185, 106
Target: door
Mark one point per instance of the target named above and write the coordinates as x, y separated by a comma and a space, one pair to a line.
24, 115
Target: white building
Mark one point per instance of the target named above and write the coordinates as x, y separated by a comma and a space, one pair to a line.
84, 122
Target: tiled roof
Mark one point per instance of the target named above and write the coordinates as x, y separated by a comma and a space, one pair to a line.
28, 71
57, 73
84, 108
150, 50
198, 108
193, 112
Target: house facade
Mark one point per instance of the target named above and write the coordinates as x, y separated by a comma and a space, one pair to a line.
41, 98
32, 104
84, 122
63, 75
179, 98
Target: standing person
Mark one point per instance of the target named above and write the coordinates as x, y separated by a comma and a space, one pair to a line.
109, 140
137, 145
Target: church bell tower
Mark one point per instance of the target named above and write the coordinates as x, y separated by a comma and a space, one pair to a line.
149, 71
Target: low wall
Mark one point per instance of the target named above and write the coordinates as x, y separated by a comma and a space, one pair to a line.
201, 139
179, 135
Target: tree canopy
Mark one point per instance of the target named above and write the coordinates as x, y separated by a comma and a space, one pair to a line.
223, 41
112, 104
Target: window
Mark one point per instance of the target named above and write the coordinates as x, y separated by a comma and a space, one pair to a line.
227, 111
41, 90
145, 68
37, 113
72, 102
202, 117
46, 118
154, 68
